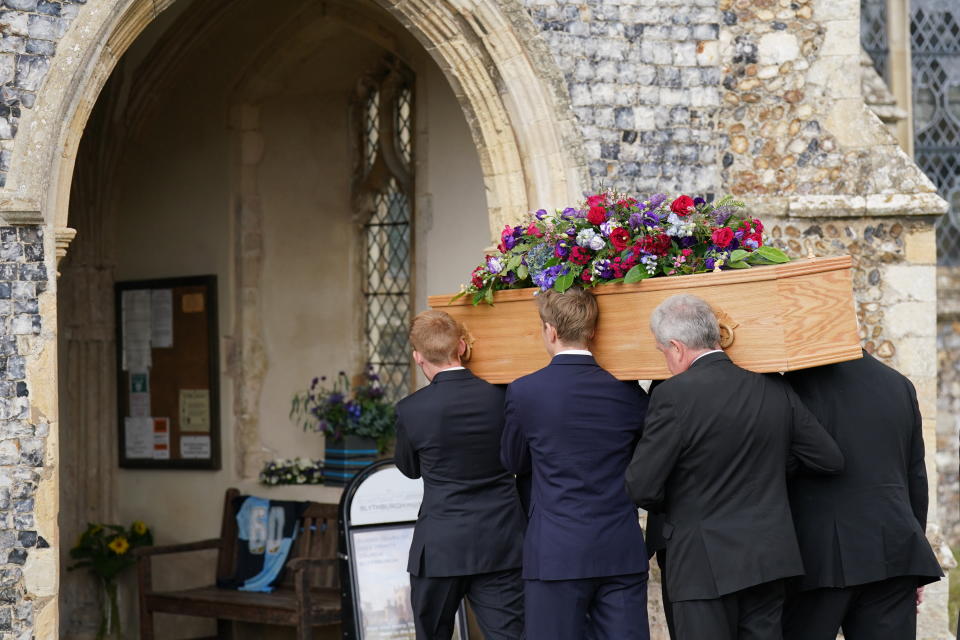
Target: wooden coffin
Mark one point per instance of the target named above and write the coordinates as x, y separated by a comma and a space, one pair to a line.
773, 318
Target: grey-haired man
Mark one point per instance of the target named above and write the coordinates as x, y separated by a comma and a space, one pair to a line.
713, 460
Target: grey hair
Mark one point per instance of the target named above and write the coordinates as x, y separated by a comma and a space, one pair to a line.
687, 319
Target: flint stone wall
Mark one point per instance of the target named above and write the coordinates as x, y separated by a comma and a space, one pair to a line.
23, 432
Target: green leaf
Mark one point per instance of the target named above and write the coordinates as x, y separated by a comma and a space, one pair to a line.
552, 262
756, 258
636, 274
477, 297
773, 254
514, 262
739, 264
564, 282
523, 271
738, 255
458, 296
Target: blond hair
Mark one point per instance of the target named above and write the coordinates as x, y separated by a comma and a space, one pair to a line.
572, 313
436, 336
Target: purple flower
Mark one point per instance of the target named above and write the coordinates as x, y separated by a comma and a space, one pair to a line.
657, 199
541, 214
494, 265
313, 384
562, 250
510, 278
546, 278
335, 398
687, 242
603, 269
698, 201
750, 242
721, 215
710, 263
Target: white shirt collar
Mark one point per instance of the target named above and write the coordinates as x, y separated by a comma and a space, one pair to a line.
451, 369
573, 352
707, 353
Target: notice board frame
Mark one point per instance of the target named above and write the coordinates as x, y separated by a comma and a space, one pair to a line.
211, 303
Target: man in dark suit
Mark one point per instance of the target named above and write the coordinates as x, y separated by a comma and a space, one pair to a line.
573, 425
713, 460
469, 533
862, 534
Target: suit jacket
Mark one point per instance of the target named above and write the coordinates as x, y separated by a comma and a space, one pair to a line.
470, 519
573, 426
713, 460
867, 524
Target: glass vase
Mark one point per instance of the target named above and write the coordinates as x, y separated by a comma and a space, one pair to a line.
109, 613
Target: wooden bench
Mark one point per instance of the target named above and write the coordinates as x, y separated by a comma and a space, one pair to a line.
309, 595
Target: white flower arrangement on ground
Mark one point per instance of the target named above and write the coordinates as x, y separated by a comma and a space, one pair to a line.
292, 471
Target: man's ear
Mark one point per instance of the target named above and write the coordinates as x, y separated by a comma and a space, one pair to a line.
550, 331
677, 346
417, 358
461, 348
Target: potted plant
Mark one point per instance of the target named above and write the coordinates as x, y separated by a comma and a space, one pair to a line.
105, 549
356, 420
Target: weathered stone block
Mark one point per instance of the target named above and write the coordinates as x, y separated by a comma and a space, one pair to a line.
31, 71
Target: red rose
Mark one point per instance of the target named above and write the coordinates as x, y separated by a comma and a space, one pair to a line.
579, 255
534, 230
597, 215
597, 200
682, 205
722, 237
657, 245
619, 238
757, 225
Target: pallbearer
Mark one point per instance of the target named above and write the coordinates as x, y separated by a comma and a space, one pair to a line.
713, 460
574, 425
469, 533
862, 534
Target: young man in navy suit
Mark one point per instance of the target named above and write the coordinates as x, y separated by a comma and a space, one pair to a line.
469, 533
573, 426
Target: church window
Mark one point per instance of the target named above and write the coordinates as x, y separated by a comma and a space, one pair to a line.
384, 196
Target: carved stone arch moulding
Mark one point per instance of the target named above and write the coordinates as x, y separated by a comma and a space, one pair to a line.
503, 76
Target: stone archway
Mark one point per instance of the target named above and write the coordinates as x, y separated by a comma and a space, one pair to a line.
519, 123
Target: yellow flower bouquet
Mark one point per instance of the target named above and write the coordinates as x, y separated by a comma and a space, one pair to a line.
104, 549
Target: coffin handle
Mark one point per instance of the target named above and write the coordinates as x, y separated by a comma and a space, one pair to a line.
727, 335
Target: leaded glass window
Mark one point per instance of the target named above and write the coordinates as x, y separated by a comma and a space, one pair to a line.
384, 196
873, 34
935, 48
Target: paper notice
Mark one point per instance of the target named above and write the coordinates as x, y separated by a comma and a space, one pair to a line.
138, 437
195, 447
161, 438
161, 318
140, 395
135, 313
194, 410
192, 303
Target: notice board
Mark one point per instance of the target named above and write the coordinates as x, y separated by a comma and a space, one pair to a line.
168, 392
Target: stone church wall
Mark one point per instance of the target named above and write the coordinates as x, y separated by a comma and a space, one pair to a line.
751, 96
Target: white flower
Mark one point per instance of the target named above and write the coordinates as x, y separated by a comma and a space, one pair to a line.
597, 243
494, 265
586, 236
679, 228
607, 228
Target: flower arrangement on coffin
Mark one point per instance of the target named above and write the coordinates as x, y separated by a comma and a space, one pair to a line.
619, 238
105, 549
292, 471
